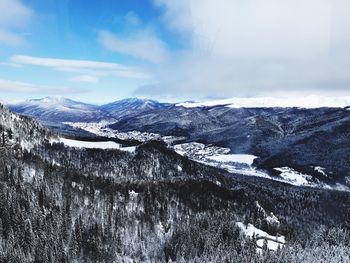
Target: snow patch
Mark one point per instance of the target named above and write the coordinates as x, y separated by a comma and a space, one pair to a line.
130, 149
271, 218
29, 173
294, 177
133, 194
236, 158
273, 242
91, 145
321, 170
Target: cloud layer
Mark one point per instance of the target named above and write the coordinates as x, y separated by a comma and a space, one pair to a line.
143, 44
14, 17
91, 70
23, 87
255, 48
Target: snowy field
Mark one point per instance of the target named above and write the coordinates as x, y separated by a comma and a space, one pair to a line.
235, 158
294, 177
96, 145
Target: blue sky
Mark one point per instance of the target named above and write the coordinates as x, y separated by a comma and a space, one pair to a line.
71, 30
171, 50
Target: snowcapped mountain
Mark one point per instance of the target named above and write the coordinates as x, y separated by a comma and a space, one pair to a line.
308, 102
131, 106
57, 109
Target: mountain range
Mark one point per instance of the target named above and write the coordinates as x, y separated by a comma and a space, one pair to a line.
299, 138
58, 109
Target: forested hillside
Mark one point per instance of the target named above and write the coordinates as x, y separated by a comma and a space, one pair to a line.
63, 204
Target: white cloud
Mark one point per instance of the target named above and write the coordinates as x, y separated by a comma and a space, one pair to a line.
10, 38
64, 63
14, 13
255, 47
132, 19
23, 87
86, 67
14, 17
143, 44
85, 78
254, 27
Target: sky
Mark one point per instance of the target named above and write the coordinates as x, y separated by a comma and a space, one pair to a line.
173, 50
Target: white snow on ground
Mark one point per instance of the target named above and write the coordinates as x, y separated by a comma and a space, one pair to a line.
271, 219
130, 149
95, 145
133, 194
294, 177
320, 170
236, 158
338, 187
273, 241
303, 102
242, 164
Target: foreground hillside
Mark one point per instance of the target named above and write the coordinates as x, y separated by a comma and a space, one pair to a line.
64, 204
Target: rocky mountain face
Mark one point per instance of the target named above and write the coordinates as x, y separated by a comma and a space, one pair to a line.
66, 204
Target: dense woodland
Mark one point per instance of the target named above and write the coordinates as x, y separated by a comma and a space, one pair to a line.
61, 204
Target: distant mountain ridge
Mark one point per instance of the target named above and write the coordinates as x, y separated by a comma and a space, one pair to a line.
126, 107
59, 109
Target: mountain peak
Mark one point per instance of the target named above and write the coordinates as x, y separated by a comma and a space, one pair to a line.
134, 100
125, 107
51, 100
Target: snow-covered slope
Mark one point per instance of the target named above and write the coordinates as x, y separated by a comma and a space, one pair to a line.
21, 131
272, 242
126, 107
57, 109
96, 145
